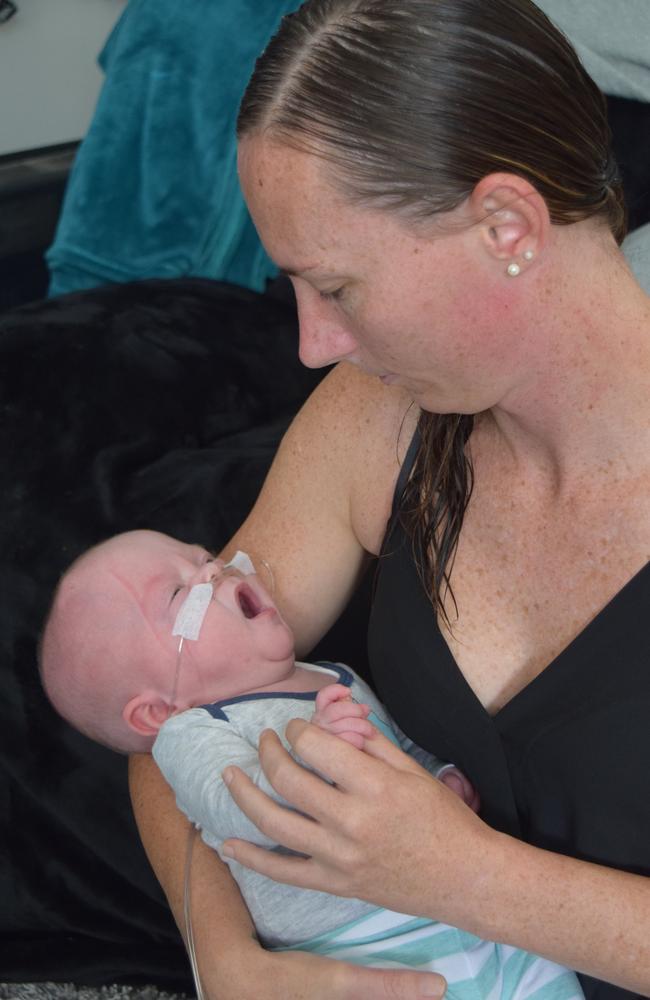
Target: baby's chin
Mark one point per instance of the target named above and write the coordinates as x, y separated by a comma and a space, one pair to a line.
282, 649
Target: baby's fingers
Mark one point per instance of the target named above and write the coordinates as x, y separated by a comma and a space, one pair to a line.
342, 710
332, 693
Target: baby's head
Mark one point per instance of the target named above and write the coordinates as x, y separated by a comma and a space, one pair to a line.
108, 657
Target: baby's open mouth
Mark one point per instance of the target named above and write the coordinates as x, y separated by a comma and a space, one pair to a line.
248, 601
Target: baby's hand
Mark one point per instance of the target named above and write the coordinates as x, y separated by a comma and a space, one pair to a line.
336, 713
456, 782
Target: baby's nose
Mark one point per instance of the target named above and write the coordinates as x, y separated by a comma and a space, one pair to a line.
209, 571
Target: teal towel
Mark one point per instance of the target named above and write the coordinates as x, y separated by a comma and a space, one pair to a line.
153, 191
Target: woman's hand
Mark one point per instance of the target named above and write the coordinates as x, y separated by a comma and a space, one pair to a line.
386, 831
232, 963
297, 975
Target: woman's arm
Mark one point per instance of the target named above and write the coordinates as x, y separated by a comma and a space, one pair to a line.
327, 498
444, 863
164, 831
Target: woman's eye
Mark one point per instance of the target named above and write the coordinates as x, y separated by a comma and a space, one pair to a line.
332, 296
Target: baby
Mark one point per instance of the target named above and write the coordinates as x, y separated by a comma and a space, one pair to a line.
152, 644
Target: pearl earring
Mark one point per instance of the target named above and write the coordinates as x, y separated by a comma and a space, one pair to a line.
528, 254
513, 269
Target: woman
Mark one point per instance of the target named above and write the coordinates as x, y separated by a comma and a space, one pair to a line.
435, 177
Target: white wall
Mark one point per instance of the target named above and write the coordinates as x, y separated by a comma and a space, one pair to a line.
49, 79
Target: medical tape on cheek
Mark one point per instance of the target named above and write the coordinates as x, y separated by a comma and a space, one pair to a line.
192, 611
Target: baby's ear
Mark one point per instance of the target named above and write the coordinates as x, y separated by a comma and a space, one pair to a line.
146, 712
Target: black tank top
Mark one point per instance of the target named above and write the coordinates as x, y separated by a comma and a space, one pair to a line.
565, 764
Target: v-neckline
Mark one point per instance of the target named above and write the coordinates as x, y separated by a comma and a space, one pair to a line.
545, 677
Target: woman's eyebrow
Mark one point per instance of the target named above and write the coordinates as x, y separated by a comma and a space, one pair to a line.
293, 272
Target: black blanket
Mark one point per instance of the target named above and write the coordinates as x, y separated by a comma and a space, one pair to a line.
155, 404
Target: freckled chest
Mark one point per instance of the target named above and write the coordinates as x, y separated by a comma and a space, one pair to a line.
528, 578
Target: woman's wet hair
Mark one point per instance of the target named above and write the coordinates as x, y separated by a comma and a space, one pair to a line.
410, 103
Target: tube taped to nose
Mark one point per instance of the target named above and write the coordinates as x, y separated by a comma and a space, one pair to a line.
192, 611
241, 561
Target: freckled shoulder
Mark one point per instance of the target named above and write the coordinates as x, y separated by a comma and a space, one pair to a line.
327, 498
364, 429
380, 429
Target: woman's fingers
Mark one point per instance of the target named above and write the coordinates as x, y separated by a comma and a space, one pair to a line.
305, 791
345, 769
299, 975
256, 974
291, 870
332, 980
391, 984
361, 726
327, 754
354, 739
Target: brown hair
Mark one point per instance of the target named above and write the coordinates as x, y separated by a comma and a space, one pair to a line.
411, 103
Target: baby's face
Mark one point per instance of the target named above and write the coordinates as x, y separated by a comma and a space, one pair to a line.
243, 643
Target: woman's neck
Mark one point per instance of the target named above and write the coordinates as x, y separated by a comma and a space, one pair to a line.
584, 399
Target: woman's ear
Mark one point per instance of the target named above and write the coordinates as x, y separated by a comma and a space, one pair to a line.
513, 219
146, 712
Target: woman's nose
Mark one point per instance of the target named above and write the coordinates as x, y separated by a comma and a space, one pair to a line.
324, 338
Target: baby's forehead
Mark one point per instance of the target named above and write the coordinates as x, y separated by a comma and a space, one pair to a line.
139, 552
94, 588
130, 575
105, 582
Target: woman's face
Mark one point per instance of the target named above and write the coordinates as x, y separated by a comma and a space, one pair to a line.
418, 308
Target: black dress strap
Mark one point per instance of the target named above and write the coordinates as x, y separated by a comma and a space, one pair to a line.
405, 472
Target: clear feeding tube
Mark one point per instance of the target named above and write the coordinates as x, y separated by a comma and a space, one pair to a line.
187, 914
